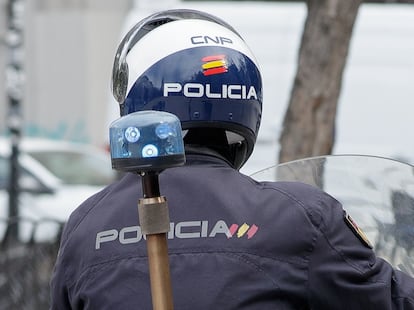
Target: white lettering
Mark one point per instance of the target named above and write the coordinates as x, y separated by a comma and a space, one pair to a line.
210, 94
193, 90
181, 230
105, 236
134, 233
184, 235
220, 228
197, 90
224, 90
251, 93
171, 88
204, 226
233, 91
171, 232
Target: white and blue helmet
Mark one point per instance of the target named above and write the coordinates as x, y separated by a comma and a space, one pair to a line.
197, 67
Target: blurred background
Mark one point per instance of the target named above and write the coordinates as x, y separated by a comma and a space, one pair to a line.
68, 48
56, 60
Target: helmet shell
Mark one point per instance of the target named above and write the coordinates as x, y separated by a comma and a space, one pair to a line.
196, 68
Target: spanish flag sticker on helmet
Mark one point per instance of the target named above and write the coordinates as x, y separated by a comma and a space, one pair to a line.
357, 230
215, 64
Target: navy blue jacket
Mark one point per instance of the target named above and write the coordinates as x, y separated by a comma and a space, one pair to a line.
234, 244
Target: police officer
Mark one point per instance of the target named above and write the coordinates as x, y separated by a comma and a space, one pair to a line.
234, 243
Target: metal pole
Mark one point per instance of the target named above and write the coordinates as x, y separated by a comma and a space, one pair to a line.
154, 222
159, 269
14, 85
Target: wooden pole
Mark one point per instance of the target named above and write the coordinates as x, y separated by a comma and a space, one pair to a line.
159, 269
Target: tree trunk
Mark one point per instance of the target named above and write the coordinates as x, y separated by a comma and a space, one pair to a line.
309, 123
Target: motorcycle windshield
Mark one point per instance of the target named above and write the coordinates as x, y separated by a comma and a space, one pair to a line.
377, 192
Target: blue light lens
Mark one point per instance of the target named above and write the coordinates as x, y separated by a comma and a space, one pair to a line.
132, 134
164, 130
150, 150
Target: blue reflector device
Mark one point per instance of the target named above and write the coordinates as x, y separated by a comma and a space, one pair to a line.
146, 141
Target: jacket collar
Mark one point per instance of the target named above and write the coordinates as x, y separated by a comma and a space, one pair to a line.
198, 154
